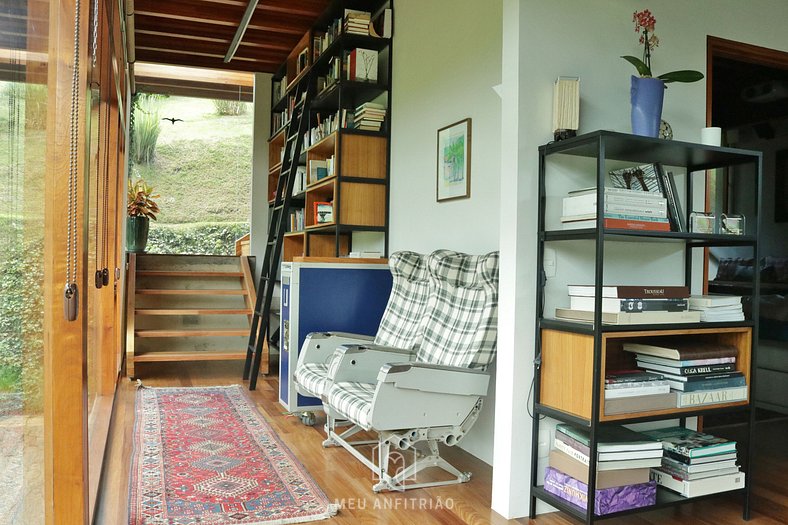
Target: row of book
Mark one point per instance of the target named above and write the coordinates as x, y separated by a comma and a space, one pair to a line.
320, 169
354, 22
296, 220
631, 464
675, 373
369, 116
360, 65
640, 198
623, 304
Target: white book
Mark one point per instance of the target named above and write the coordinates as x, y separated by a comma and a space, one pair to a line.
712, 397
616, 393
700, 487
622, 318
583, 204
638, 459
614, 304
713, 300
711, 473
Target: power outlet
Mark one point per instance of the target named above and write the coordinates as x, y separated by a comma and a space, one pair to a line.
549, 262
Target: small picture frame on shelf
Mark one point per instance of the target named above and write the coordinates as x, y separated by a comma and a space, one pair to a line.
731, 224
702, 222
454, 161
324, 212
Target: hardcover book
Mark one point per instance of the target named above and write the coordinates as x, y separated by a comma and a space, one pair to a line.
612, 438
701, 487
682, 349
628, 405
699, 467
691, 443
704, 301
631, 292
684, 362
604, 479
707, 385
716, 458
686, 371
712, 397
622, 318
613, 305
630, 376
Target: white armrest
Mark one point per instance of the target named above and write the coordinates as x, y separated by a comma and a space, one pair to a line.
435, 378
363, 362
318, 347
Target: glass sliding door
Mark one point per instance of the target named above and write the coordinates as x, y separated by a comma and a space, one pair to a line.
23, 148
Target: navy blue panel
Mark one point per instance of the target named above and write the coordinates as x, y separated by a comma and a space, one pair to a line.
284, 357
341, 300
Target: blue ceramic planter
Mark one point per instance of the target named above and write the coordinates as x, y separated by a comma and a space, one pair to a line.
646, 95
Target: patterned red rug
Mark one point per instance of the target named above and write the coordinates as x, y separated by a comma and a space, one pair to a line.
206, 456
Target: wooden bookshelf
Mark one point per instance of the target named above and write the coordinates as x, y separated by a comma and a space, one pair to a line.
294, 245
358, 186
567, 370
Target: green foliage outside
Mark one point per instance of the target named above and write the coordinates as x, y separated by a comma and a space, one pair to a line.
202, 171
147, 127
230, 107
199, 238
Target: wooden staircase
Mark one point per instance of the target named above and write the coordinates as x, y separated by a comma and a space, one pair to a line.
187, 308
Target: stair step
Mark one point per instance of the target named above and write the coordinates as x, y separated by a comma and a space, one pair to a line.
186, 273
156, 291
191, 333
214, 355
193, 311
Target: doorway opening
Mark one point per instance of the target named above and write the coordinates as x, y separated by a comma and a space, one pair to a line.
196, 154
747, 96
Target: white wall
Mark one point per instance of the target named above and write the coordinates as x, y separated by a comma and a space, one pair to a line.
586, 39
259, 196
446, 60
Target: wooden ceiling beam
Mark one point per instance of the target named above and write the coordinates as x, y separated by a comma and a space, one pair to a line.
226, 15
177, 59
205, 47
197, 30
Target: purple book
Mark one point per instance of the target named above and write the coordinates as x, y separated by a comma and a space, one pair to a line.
607, 501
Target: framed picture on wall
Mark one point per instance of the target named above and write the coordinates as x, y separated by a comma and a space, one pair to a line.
454, 161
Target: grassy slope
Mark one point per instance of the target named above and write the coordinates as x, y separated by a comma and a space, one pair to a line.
203, 165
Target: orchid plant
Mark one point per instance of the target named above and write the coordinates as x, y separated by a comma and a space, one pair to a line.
644, 25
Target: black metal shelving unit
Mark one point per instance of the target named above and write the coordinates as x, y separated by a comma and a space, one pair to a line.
604, 146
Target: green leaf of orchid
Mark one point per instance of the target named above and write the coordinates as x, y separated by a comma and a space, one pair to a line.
643, 69
685, 75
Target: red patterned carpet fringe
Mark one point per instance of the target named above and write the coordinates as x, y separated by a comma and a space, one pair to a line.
206, 456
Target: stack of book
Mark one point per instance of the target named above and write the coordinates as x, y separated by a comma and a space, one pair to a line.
635, 391
356, 22
624, 208
701, 372
696, 464
624, 458
715, 308
369, 116
630, 305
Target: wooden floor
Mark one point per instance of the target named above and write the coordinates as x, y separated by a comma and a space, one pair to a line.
345, 480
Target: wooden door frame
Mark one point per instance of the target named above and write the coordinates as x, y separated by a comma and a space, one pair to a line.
722, 48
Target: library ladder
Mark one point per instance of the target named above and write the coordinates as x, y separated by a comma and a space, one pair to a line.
294, 139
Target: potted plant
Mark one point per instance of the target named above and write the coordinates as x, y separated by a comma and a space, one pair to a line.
647, 92
141, 209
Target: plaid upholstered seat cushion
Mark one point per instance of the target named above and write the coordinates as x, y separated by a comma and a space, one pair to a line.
401, 325
313, 377
460, 328
353, 401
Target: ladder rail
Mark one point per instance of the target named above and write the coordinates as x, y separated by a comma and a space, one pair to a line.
260, 325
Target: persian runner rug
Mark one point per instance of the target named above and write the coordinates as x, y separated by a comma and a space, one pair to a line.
206, 456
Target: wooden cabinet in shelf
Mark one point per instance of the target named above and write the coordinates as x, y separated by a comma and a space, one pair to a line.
567, 367
293, 245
